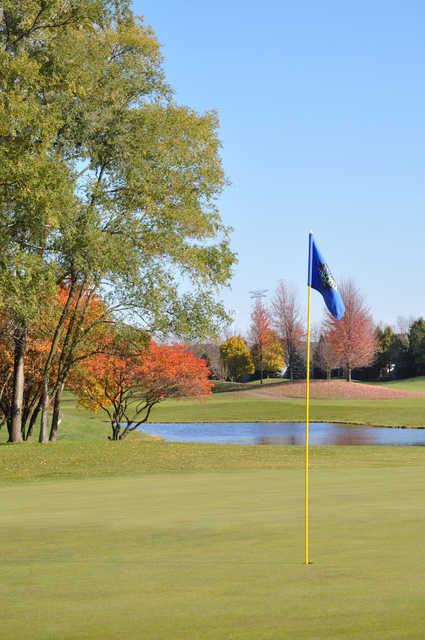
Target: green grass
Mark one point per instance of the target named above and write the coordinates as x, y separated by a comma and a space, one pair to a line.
224, 385
161, 542
235, 407
410, 384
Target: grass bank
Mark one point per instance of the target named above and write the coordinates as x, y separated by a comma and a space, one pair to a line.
241, 407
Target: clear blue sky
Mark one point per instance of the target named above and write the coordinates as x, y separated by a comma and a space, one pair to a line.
322, 108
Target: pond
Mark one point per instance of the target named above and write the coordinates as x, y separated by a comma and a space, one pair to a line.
284, 433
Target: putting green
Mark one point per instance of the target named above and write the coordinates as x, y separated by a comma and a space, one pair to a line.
218, 555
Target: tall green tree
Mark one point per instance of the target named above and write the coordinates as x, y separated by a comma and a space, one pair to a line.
417, 345
387, 348
106, 184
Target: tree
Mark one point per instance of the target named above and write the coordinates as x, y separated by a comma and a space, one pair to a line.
236, 357
325, 356
107, 185
83, 335
127, 386
37, 345
210, 351
353, 338
417, 345
259, 334
287, 323
387, 348
35, 186
273, 358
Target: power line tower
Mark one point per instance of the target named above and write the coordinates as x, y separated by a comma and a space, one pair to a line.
258, 294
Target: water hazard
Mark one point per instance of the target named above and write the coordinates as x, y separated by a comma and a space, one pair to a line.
285, 433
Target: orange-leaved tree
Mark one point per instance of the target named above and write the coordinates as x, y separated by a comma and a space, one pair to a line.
353, 338
127, 386
259, 334
37, 344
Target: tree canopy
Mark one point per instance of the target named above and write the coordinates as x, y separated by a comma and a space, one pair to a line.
236, 357
107, 186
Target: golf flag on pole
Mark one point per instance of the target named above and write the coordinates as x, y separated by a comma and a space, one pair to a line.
321, 279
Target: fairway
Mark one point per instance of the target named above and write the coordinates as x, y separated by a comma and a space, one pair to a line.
211, 547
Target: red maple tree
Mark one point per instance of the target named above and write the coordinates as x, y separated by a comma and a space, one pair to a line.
128, 386
353, 338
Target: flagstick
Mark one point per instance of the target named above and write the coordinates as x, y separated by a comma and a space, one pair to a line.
307, 424
307, 404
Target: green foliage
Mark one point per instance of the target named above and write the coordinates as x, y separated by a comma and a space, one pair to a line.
103, 177
386, 347
417, 345
236, 357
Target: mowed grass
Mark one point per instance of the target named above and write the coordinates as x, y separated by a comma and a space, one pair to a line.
242, 407
410, 384
206, 542
160, 541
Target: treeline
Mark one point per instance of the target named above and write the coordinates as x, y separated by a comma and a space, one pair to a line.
352, 347
400, 352
107, 202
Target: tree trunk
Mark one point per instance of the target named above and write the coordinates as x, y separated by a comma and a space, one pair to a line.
15, 434
348, 374
115, 431
32, 421
56, 414
9, 427
329, 374
44, 427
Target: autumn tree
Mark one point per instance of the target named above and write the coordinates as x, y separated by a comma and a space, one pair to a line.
37, 345
127, 386
236, 357
286, 319
259, 333
325, 357
353, 338
272, 356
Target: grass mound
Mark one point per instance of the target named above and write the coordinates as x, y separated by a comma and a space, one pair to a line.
339, 390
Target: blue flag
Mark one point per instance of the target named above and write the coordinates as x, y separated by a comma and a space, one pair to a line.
321, 279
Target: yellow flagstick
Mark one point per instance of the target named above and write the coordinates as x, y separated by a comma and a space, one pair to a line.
307, 424
307, 409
